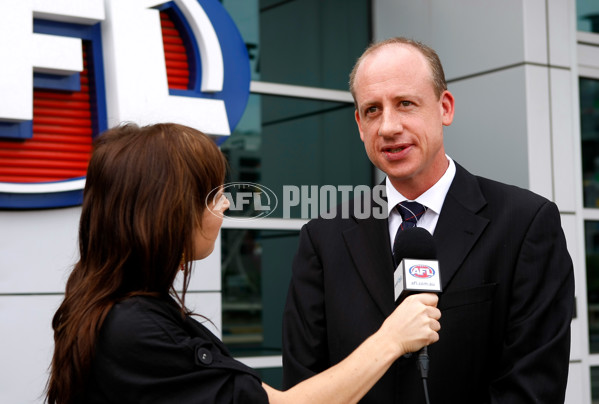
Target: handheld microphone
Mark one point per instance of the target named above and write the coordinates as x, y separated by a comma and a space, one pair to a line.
417, 272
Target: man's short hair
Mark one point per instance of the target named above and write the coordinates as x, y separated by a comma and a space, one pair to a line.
438, 76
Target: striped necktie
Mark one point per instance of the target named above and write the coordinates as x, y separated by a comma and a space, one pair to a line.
410, 212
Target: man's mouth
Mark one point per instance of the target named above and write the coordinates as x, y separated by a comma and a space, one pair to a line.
397, 152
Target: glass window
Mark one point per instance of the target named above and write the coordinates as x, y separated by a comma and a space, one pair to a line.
592, 260
587, 12
286, 142
589, 131
595, 384
256, 270
303, 42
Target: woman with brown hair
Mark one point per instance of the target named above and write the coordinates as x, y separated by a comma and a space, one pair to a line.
123, 334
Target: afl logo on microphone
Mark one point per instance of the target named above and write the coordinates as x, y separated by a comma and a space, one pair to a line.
71, 69
421, 271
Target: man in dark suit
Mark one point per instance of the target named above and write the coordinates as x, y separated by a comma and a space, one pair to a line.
507, 277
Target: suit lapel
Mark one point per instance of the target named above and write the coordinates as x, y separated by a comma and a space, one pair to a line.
459, 226
369, 247
458, 229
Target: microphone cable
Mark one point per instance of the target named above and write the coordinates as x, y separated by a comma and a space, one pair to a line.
413, 244
423, 362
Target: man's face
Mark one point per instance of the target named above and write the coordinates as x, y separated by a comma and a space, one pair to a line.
400, 118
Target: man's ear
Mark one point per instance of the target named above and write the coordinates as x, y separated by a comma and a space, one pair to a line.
357, 116
448, 107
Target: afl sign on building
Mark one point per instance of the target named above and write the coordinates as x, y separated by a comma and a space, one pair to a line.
73, 68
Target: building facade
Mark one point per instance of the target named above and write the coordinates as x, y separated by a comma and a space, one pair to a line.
525, 75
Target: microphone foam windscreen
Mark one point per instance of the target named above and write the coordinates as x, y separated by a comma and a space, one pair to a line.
415, 242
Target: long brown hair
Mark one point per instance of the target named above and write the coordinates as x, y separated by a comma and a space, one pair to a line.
145, 193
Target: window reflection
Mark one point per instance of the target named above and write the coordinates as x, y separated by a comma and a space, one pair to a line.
592, 260
279, 141
302, 42
256, 270
595, 384
287, 141
587, 13
284, 141
589, 128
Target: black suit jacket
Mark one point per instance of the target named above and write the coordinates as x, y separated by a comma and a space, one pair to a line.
506, 305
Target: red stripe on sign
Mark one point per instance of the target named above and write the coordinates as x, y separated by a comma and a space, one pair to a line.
62, 136
175, 54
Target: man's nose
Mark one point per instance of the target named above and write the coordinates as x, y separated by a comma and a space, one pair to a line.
391, 123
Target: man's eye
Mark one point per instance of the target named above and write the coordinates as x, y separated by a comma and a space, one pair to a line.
371, 110
406, 103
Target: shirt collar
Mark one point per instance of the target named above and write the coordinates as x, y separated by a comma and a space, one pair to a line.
433, 198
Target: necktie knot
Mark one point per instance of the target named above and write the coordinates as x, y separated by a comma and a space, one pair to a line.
410, 212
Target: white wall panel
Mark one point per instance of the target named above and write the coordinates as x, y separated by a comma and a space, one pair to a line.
469, 36
579, 324
208, 305
488, 135
565, 171
560, 31
588, 55
578, 390
37, 249
205, 274
402, 18
26, 348
538, 130
535, 30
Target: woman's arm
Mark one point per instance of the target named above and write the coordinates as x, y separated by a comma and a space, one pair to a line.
411, 326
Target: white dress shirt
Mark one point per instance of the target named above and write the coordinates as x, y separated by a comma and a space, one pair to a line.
433, 199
